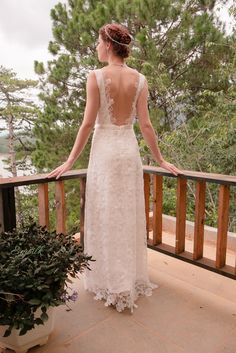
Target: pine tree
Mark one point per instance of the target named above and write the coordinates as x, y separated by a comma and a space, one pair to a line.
178, 46
19, 113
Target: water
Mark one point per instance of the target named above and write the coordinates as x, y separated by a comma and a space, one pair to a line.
3, 172
7, 174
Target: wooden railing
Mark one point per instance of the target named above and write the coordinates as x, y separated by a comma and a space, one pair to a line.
196, 257
8, 211
7, 199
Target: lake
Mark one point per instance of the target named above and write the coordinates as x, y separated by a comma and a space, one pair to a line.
6, 174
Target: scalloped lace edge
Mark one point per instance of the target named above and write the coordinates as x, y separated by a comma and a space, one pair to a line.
125, 299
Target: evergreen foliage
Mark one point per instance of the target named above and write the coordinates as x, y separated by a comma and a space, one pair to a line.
19, 112
184, 52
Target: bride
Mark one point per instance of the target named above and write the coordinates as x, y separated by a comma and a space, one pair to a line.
115, 229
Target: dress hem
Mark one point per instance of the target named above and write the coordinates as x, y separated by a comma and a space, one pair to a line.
125, 299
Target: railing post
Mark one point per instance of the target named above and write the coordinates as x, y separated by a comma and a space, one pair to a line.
180, 215
60, 207
43, 205
199, 220
1, 212
223, 217
7, 209
157, 208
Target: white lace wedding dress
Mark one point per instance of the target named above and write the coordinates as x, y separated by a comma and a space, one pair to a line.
114, 229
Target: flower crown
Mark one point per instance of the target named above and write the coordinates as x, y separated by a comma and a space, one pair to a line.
113, 40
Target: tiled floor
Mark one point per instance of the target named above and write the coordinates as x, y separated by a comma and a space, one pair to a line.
192, 311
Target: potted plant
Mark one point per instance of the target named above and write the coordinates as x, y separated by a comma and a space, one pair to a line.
36, 267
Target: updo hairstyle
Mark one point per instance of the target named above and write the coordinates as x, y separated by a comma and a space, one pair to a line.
114, 33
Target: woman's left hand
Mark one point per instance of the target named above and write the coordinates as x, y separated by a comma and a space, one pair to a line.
170, 167
60, 170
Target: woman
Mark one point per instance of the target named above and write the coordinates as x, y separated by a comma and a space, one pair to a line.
115, 229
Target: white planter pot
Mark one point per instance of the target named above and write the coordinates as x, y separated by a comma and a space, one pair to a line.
37, 336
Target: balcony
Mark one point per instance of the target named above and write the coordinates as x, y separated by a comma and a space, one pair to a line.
194, 308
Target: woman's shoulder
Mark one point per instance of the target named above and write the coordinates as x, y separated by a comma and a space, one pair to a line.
132, 72
135, 71
93, 74
126, 67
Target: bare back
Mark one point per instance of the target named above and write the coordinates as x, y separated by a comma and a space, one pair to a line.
119, 89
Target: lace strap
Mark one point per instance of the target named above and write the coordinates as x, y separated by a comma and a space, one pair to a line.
100, 82
140, 86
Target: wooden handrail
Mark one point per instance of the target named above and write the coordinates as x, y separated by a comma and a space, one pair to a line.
41, 178
76, 173
201, 176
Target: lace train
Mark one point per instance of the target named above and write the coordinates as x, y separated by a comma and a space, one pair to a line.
124, 299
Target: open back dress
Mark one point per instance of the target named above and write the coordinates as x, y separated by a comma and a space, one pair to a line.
115, 224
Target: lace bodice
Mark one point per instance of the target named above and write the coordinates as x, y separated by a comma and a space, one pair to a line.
118, 96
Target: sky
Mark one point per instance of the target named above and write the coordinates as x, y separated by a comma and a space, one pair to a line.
25, 31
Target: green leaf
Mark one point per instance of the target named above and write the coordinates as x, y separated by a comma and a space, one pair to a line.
39, 321
7, 332
44, 317
34, 301
23, 331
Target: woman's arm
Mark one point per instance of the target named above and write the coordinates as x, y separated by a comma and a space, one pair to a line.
148, 131
91, 109
90, 113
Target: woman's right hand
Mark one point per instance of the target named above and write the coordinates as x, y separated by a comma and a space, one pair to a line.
57, 172
170, 167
